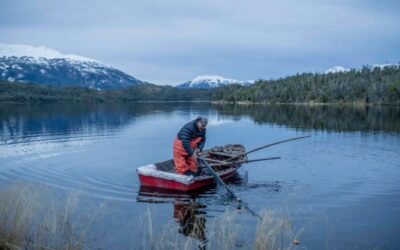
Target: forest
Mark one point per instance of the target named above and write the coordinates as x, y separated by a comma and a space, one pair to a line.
375, 86
368, 85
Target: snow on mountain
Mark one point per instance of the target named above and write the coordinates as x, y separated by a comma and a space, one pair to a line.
210, 81
381, 66
25, 63
20, 50
337, 69
340, 69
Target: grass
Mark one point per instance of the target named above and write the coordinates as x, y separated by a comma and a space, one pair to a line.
33, 217
30, 219
274, 231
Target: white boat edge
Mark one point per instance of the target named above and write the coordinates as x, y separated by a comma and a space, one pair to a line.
151, 170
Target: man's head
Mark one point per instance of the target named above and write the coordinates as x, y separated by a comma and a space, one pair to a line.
201, 122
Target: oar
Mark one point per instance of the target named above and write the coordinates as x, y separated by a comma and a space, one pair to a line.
218, 179
223, 163
223, 154
241, 162
230, 192
212, 160
266, 146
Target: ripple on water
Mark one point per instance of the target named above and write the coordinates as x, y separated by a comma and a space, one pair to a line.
39, 158
73, 178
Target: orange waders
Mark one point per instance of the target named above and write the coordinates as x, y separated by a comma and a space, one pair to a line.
183, 161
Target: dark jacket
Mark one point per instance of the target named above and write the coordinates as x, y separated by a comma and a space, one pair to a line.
189, 132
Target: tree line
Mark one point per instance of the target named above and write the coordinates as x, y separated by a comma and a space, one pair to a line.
366, 86
375, 86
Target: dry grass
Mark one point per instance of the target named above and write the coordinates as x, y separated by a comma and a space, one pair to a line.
273, 232
32, 218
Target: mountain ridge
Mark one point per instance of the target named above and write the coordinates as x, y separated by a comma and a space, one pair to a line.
211, 81
24, 63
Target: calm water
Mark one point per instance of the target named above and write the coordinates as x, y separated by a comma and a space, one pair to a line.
341, 187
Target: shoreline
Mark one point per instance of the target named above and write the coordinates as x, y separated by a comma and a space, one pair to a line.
241, 103
359, 104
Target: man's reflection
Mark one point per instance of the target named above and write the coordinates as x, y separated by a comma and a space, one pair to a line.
191, 219
188, 212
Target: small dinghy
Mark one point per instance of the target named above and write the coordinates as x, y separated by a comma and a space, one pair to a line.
217, 163
163, 175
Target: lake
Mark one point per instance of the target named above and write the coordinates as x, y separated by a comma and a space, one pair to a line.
340, 188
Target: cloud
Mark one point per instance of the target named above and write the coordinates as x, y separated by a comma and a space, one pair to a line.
170, 42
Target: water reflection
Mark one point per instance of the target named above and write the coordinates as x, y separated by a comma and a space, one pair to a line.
335, 118
189, 209
97, 148
25, 122
191, 219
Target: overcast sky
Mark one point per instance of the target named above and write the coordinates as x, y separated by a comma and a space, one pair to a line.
172, 41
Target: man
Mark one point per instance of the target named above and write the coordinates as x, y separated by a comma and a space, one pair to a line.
190, 140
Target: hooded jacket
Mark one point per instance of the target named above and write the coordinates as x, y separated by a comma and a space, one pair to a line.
189, 132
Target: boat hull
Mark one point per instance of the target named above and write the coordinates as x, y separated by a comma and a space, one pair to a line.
182, 184
163, 175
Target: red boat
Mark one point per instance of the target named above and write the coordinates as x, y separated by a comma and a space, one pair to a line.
163, 175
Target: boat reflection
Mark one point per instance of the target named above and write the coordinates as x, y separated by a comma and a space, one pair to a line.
189, 209
191, 219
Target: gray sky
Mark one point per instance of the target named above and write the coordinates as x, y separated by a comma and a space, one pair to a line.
172, 41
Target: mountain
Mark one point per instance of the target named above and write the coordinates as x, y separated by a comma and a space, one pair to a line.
23, 63
340, 69
337, 69
386, 65
210, 81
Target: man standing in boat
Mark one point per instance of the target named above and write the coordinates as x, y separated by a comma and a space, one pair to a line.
190, 140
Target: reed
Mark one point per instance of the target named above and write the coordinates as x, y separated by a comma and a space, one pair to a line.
31, 217
274, 231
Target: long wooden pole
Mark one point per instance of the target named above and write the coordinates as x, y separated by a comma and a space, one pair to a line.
240, 162
212, 160
217, 178
230, 192
266, 146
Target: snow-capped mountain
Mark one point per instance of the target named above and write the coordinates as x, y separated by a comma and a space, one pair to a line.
210, 81
25, 63
340, 69
382, 66
337, 69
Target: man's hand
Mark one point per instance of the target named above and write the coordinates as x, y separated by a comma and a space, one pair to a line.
195, 154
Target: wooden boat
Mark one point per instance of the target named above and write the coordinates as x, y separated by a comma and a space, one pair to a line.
163, 175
